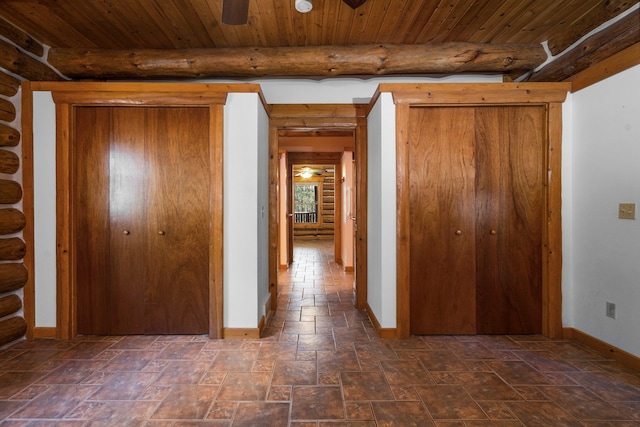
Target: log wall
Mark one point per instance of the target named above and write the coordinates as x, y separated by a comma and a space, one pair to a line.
21, 58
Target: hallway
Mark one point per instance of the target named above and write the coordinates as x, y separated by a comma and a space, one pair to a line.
320, 363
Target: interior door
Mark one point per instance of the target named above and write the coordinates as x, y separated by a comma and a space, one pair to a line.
442, 215
177, 292
92, 229
509, 199
141, 232
127, 200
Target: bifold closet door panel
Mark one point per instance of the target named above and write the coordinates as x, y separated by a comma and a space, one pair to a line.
92, 135
128, 203
442, 215
177, 293
510, 146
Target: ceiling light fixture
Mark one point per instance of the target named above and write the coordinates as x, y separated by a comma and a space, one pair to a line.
306, 173
304, 6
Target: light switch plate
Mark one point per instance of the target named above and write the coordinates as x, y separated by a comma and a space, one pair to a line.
611, 310
627, 211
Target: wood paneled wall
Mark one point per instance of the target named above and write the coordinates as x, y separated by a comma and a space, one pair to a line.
15, 281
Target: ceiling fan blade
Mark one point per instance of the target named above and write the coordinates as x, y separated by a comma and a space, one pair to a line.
235, 12
353, 4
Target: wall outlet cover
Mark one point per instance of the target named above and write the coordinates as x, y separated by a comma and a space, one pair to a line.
627, 211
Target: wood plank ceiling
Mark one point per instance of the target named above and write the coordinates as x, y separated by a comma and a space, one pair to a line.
179, 24
196, 24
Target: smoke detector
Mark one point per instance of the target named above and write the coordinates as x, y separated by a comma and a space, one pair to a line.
304, 6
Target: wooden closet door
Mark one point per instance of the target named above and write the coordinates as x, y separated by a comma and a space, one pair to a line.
127, 211
509, 197
177, 294
141, 198
442, 210
92, 136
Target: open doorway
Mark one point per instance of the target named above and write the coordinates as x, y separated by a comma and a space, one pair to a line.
314, 208
314, 202
319, 137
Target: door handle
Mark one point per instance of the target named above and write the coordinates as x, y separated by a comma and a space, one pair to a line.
162, 232
126, 232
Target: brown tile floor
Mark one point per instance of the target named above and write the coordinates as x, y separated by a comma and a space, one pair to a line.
320, 364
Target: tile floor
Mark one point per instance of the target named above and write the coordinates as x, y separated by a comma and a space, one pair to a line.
320, 364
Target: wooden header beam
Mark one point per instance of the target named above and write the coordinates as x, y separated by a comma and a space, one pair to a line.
433, 58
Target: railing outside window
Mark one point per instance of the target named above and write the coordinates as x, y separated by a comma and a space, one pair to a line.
306, 203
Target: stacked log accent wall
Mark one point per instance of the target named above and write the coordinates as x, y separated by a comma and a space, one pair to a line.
20, 59
13, 274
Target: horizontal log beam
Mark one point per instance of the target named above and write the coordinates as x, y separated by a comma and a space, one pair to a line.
9, 162
20, 38
12, 249
10, 304
286, 133
12, 277
594, 49
621, 61
434, 58
7, 111
11, 329
18, 62
10, 192
11, 221
602, 12
9, 137
314, 157
8, 84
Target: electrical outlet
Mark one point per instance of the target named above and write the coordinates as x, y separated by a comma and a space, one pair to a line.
611, 310
627, 211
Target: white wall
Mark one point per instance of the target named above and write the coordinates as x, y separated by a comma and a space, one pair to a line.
602, 252
263, 208
246, 192
44, 171
381, 219
340, 90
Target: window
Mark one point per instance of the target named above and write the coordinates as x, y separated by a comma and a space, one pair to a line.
306, 202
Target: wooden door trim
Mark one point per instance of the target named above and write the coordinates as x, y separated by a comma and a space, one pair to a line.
549, 95
319, 117
63, 96
403, 223
361, 183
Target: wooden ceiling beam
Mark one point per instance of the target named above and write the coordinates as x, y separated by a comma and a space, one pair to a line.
20, 38
314, 133
593, 50
602, 12
14, 60
434, 58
